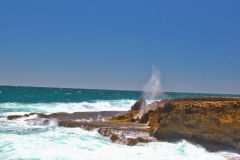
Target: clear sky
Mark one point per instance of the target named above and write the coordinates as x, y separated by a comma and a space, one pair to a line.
114, 44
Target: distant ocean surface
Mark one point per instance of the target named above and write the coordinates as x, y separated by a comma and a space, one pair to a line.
20, 139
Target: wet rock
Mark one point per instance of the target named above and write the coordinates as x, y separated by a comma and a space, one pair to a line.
134, 141
73, 116
118, 132
11, 117
114, 138
131, 142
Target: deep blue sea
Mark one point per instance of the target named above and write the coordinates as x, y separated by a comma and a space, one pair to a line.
20, 139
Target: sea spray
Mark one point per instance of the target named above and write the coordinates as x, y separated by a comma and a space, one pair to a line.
153, 89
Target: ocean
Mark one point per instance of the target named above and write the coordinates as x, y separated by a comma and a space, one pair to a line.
20, 139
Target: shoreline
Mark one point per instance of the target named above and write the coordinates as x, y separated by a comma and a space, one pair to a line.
181, 118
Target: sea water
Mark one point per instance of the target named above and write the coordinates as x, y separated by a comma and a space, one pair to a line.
21, 139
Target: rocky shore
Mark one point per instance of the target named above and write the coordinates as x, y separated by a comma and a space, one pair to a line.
128, 133
213, 122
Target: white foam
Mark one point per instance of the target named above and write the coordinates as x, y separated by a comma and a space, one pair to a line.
75, 143
112, 105
27, 123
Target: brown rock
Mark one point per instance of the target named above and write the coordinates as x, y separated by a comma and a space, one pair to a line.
11, 117
128, 117
131, 141
210, 121
140, 104
213, 122
134, 141
114, 138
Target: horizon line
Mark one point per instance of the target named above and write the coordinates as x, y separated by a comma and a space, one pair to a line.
56, 87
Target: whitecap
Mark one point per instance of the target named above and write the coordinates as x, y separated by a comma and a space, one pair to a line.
111, 105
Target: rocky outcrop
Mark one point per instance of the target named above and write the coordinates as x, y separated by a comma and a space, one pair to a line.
128, 133
118, 132
212, 122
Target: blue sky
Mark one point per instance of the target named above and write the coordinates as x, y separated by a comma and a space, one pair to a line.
114, 44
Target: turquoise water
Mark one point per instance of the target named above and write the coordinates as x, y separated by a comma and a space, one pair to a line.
20, 139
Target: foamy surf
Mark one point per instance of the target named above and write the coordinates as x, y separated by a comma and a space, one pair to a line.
75, 143
112, 105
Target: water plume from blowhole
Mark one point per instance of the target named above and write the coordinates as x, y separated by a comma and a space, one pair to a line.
152, 90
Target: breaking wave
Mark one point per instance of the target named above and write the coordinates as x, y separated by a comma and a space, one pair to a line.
39, 141
113, 105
